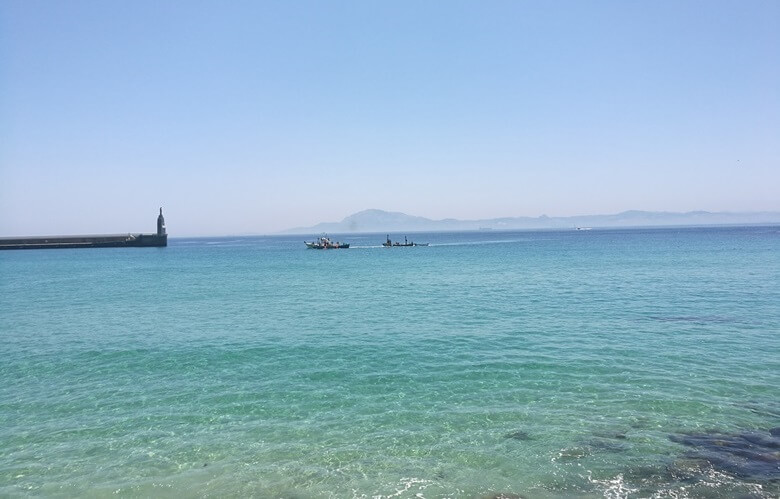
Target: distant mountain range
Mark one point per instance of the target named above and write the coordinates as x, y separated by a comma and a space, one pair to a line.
385, 221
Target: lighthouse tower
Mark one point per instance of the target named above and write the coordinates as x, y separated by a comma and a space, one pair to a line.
161, 224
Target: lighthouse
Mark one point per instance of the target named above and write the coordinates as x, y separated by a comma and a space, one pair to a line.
160, 224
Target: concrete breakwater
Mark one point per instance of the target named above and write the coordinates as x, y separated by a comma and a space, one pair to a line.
160, 238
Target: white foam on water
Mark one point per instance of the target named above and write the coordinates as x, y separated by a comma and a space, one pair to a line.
614, 488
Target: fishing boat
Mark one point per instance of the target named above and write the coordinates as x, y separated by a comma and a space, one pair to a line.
324, 242
388, 243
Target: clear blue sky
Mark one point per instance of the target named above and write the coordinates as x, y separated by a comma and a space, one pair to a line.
252, 117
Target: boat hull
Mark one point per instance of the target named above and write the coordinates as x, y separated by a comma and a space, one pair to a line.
323, 243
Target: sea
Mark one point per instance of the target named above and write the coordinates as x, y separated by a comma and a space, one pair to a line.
489, 364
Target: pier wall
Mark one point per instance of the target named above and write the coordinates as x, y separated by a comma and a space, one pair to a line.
103, 241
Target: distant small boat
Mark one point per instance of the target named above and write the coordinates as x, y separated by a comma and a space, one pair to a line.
325, 243
584, 228
389, 244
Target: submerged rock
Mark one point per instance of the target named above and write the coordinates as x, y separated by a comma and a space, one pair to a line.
518, 435
762, 440
618, 435
751, 455
688, 469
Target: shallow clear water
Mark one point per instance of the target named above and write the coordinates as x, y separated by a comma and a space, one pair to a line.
545, 364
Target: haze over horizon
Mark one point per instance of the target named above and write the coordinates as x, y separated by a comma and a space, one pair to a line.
254, 118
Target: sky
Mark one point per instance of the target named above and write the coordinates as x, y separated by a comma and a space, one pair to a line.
250, 117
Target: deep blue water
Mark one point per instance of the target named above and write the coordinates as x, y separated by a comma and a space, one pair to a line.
603, 363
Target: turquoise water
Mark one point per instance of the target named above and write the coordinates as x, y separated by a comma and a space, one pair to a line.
614, 363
